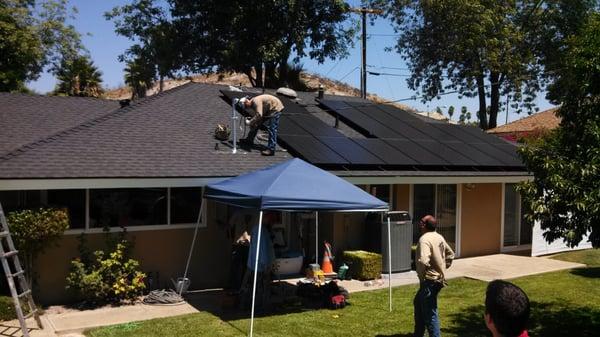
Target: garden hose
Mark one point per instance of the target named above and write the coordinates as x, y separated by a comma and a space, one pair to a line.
163, 297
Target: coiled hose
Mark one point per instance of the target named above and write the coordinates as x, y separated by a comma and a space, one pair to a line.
163, 297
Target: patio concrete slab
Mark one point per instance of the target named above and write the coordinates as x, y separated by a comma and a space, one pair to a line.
13, 329
505, 266
77, 321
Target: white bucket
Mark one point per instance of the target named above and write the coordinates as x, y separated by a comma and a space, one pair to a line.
182, 285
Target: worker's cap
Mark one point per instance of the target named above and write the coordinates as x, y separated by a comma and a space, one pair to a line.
243, 100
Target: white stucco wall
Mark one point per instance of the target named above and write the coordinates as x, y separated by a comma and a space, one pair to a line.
539, 246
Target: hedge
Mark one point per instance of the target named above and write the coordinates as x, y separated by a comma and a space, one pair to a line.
363, 265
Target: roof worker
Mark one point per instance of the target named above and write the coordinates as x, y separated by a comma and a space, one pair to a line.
506, 309
433, 256
267, 111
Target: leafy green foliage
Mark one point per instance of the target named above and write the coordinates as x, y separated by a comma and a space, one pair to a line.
251, 37
485, 49
565, 193
140, 75
33, 37
78, 77
101, 277
33, 231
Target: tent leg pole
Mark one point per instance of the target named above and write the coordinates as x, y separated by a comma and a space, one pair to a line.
255, 271
389, 260
316, 237
189, 259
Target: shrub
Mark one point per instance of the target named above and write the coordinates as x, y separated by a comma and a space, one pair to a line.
101, 278
363, 265
35, 230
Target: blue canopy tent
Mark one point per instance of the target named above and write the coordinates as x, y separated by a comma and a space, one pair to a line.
294, 185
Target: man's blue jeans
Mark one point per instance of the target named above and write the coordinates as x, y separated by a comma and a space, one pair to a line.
272, 125
426, 312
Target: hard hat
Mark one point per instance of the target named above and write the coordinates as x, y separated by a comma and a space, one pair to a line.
243, 100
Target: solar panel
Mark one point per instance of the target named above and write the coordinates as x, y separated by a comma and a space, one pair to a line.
449, 132
287, 126
385, 151
311, 149
480, 158
312, 125
493, 151
351, 151
366, 124
421, 155
446, 153
402, 128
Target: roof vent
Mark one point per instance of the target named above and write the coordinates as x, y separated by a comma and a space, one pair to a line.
287, 92
124, 103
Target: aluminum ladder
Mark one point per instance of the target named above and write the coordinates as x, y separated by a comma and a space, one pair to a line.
8, 252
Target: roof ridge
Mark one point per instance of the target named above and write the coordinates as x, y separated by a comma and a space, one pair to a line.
57, 96
90, 123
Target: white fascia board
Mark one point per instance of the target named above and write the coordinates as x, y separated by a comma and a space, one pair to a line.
437, 179
51, 184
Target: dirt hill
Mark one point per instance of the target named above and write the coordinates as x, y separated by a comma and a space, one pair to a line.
312, 81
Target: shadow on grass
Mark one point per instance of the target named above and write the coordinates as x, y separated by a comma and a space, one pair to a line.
397, 335
591, 272
548, 319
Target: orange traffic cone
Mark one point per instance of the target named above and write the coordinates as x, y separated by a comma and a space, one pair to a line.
326, 265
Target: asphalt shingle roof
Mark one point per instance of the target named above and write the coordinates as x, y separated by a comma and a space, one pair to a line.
25, 119
546, 119
167, 135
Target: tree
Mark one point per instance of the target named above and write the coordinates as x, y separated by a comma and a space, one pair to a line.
158, 40
564, 195
485, 49
140, 75
451, 111
255, 37
78, 77
33, 38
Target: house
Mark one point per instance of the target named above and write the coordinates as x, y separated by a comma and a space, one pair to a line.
143, 167
527, 126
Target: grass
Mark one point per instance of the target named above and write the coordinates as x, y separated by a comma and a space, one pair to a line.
565, 303
7, 309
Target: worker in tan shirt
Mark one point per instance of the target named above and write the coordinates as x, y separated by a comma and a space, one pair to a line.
267, 110
432, 257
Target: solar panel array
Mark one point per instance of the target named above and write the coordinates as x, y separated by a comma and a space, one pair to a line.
394, 138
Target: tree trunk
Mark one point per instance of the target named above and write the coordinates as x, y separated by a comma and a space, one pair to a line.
258, 69
161, 83
494, 99
482, 106
270, 75
248, 72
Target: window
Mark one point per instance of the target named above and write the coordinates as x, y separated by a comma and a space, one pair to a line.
72, 200
127, 207
516, 230
185, 204
381, 192
440, 201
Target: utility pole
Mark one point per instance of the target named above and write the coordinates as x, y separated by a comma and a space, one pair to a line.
363, 68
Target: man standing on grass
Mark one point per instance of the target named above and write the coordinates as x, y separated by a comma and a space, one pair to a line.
506, 309
433, 256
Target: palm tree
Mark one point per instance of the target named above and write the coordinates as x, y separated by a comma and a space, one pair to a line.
139, 76
79, 77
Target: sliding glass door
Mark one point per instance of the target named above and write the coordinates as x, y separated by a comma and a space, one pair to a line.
517, 231
439, 201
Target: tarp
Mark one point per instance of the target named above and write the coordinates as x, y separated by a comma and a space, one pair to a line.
293, 185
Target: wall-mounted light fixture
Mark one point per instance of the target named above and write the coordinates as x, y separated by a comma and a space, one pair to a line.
469, 187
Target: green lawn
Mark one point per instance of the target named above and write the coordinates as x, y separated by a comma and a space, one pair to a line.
565, 303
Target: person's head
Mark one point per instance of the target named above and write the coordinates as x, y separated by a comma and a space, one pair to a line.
506, 309
246, 102
428, 223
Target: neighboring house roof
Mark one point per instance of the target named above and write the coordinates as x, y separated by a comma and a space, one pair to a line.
170, 135
27, 118
546, 119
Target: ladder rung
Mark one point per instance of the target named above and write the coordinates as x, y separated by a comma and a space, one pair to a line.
33, 312
4, 234
25, 293
11, 253
17, 273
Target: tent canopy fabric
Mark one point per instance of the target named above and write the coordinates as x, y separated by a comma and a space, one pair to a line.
293, 185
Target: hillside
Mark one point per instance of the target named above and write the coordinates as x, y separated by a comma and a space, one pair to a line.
312, 81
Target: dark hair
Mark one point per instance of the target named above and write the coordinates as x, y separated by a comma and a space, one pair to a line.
508, 307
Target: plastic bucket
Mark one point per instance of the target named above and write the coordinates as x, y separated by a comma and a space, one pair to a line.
181, 285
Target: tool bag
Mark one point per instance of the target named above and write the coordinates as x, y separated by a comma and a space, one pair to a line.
222, 132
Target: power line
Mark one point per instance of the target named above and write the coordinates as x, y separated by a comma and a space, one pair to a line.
386, 74
384, 67
351, 71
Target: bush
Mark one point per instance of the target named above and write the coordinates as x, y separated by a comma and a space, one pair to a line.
34, 230
112, 277
363, 265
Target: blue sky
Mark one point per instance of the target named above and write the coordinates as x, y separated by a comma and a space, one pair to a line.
104, 46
